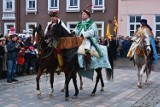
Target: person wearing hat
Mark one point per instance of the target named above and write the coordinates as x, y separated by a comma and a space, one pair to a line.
52, 42
13, 49
2, 52
5, 55
87, 29
143, 29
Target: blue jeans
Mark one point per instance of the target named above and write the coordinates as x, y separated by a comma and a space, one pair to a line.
11, 69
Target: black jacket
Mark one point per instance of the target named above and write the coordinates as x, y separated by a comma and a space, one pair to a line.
12, 50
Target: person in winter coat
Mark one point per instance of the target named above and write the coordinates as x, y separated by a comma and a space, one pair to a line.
13, 49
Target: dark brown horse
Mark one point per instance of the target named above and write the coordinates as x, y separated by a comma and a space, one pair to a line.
46, 55
70, 58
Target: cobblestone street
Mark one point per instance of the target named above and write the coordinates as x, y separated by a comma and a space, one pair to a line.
122, 92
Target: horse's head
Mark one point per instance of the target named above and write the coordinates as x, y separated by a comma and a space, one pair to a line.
38, 34
146, 39
145, 43
58, 31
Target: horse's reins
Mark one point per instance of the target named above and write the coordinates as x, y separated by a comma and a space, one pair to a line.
39, 44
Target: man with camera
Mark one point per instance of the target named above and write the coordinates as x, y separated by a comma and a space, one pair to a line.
13, 49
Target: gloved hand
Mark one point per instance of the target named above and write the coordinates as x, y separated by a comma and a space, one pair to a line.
73, 33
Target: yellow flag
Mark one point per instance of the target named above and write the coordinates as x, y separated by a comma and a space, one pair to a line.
115, 25
108, 32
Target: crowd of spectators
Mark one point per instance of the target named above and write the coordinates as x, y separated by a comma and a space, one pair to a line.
17, 56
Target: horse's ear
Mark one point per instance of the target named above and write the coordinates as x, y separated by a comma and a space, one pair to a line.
39, 26
60, 23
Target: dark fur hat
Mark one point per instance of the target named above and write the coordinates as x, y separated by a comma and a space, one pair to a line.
87, 12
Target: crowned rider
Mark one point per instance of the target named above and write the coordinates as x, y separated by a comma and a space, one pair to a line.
87, 29
144, 29
50, 39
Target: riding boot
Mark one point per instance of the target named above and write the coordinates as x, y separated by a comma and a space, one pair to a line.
87, 58
131, 58
60, 61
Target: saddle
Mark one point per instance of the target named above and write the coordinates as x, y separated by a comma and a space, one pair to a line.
69, 42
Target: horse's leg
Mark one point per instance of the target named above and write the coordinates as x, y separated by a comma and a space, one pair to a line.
97, 80
74, 78
81, 82
68, 78
140, 75
64, 88
102, 83
40, 71
51, 82
148, 72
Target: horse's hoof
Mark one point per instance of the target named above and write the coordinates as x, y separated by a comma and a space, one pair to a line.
74, 97
62, 90
139, 86
67, 98
146, 81
38, 93
81, 88
102, 89
93, 94
50, 95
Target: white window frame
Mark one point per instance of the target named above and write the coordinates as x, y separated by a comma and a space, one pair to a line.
98, 7
74, 8
156, 23
71, 23
28, 24
135, 23
31, 10
102, 29
52, 8
96, 22
5, 6
7, 29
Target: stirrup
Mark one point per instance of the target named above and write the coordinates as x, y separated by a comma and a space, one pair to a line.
58, 70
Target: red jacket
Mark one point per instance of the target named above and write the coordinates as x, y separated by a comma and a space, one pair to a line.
21, 59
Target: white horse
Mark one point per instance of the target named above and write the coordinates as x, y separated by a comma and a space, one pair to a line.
142, 56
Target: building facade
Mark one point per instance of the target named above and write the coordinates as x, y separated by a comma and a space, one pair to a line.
130, 12
21, 14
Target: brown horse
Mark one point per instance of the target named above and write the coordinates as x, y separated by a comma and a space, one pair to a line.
70, 67
46, 55
143, 59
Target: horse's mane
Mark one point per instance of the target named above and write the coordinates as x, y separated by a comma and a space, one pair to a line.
59, 31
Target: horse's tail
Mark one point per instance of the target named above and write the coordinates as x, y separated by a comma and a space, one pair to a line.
109, 74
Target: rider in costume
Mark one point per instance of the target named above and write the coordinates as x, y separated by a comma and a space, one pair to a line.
52, 42
145, 28
87, 29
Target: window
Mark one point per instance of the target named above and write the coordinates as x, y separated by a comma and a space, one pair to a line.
7, 26
157, 26
100, 27
29, 27
134, 23
53, 5
31, 6
72, 25
8, 5
98, 5
73, 5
